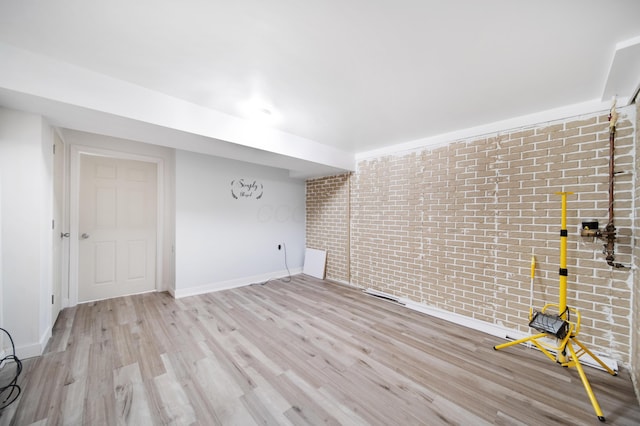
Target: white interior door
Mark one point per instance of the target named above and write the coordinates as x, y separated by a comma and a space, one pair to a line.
117, 227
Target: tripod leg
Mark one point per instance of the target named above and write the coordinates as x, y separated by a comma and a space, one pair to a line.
598, 360
517, 342
585, 382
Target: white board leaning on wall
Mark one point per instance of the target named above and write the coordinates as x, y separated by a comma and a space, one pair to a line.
314, 263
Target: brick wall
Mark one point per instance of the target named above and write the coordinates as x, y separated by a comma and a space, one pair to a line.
327, 222
455, 226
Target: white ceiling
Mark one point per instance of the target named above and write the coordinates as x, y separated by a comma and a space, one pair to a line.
339, 77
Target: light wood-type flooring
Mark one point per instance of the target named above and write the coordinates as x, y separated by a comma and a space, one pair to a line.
300, 352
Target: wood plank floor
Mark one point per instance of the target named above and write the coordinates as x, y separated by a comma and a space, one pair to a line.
303, 352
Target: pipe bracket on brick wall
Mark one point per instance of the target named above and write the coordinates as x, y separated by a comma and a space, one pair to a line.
591, 229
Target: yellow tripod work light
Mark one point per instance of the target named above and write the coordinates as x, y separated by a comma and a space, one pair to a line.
563, 326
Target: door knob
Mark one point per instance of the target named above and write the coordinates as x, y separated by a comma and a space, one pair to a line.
84, 236
64, 235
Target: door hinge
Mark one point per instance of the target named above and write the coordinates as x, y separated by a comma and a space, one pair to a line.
52, 296
54, 149
53, 224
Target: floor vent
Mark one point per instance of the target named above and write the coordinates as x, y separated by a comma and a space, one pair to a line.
384, 296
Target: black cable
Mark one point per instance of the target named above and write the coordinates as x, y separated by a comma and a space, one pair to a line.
288, 277
10, 392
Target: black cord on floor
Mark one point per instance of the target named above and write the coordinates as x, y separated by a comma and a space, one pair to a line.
10, 392
288, 277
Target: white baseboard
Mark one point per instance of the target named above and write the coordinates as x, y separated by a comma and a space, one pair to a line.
229, 284
485, 327
34, 349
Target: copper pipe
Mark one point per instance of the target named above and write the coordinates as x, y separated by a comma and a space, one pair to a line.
612, 138
609, 232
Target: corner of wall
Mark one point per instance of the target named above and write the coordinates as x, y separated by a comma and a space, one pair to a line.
635, 311
46, 236
328, 222
1, 281
26, 219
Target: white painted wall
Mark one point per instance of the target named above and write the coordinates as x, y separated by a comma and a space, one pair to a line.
223, 242
3, 339
1, 291
26, 211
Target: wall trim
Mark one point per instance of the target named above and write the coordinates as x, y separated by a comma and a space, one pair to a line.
230, 284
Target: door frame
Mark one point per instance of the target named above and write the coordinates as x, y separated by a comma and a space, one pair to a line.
77, 151
59, 242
